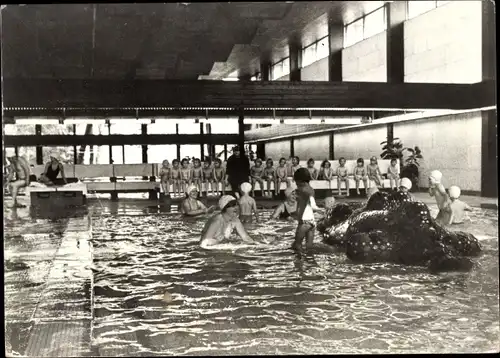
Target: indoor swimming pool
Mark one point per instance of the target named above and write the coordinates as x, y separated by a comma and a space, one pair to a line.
157, 293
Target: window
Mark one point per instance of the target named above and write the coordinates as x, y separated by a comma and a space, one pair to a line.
117, 154
365, 27
19, 129
162, 126
315, 52
125, 126
158, 153
223, 125
187, 126
28, 153
56, 129
280, 69
133, 154
66, 154
190, 150
416, 8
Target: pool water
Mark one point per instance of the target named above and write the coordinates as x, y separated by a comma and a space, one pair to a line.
265, 300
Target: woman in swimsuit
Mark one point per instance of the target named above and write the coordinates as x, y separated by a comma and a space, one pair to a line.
191, 206
52, 170
220, 226
287, 210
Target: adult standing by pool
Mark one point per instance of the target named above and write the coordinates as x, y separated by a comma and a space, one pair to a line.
221, 225
237, 170
18, 176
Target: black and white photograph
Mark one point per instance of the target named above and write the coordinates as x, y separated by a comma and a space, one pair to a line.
250, 178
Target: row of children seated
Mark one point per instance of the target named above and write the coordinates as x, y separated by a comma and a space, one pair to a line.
211, 176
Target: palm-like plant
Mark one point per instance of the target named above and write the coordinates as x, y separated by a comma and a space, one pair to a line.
416, 154
392, 149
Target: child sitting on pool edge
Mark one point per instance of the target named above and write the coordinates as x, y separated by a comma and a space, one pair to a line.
247, 204
306, 205
456, 207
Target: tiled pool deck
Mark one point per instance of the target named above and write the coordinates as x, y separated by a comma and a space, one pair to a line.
49, 280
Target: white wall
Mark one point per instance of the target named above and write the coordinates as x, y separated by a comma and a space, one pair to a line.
366, 60
444, 44
316, 71
450, 144
359, 142
276, 150
284, 78
317, 147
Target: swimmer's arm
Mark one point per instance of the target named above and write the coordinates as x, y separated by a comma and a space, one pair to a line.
254, 208
61, 167
241, 232
277, 211
185, 209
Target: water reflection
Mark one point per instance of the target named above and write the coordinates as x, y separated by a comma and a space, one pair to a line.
266, 300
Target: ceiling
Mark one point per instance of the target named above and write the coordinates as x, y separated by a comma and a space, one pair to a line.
160, 40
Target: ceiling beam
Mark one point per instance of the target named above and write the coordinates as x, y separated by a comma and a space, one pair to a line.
48, 93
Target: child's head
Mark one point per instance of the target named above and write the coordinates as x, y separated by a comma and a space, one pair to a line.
165, 163
342, 161
325, 164
245, 188
435, 177
373, 160
185, 163
192, 191
175, 163
295, 160
258, 162
196, 163
302, 176
206, 164
218, 163
394, 162
282, 162
269, 163
310, 163
329, 202
405, 185
454, 192
360, 162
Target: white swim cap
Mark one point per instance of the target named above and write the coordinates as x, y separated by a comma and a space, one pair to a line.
329, 202
436, 175
224, 200
454, 192
54, 155
246, 187
190, 188
405, 182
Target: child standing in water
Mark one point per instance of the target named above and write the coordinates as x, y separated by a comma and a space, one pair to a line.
176, 177
256, 175
208, 176
374, 172
196, 174
269, 175
393, 173
219, 174
306, 205
186, 173
456, 207
281, 175
342, 177
360, 174
165, 175
437, 190
312, 170
247, 204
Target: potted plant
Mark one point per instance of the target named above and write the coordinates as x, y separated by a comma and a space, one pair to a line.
394, 149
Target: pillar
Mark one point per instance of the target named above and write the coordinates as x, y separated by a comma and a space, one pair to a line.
202, 143
332, 147
241, 130
265, 70
295, 50
144, 132
178, 145
390, 132
75, 153
292, 147
396, 16
261, 150
336, 43
39, 148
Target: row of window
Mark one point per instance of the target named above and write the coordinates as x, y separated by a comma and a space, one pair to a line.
359, 30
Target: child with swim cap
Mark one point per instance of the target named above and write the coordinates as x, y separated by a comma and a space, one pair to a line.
247, 204
405, 185
329, 202
437, 190
456, 207
306, 205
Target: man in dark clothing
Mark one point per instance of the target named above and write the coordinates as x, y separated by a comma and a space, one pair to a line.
237, 170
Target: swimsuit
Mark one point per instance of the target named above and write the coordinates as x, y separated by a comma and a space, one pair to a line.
185, 173
208, 174
197, 173
52, 174
285, 214
219, 174
198, 206
175, 174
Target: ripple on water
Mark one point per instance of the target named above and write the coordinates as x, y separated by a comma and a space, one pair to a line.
263, 300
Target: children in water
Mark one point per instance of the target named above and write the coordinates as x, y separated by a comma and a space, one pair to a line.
437, 190
456, 207
342, 176
256, 172
405, 185
393, 173
373, 172
165, 175
269, 175
191, 206
281, 175
247, 204
306, 206
360, 175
